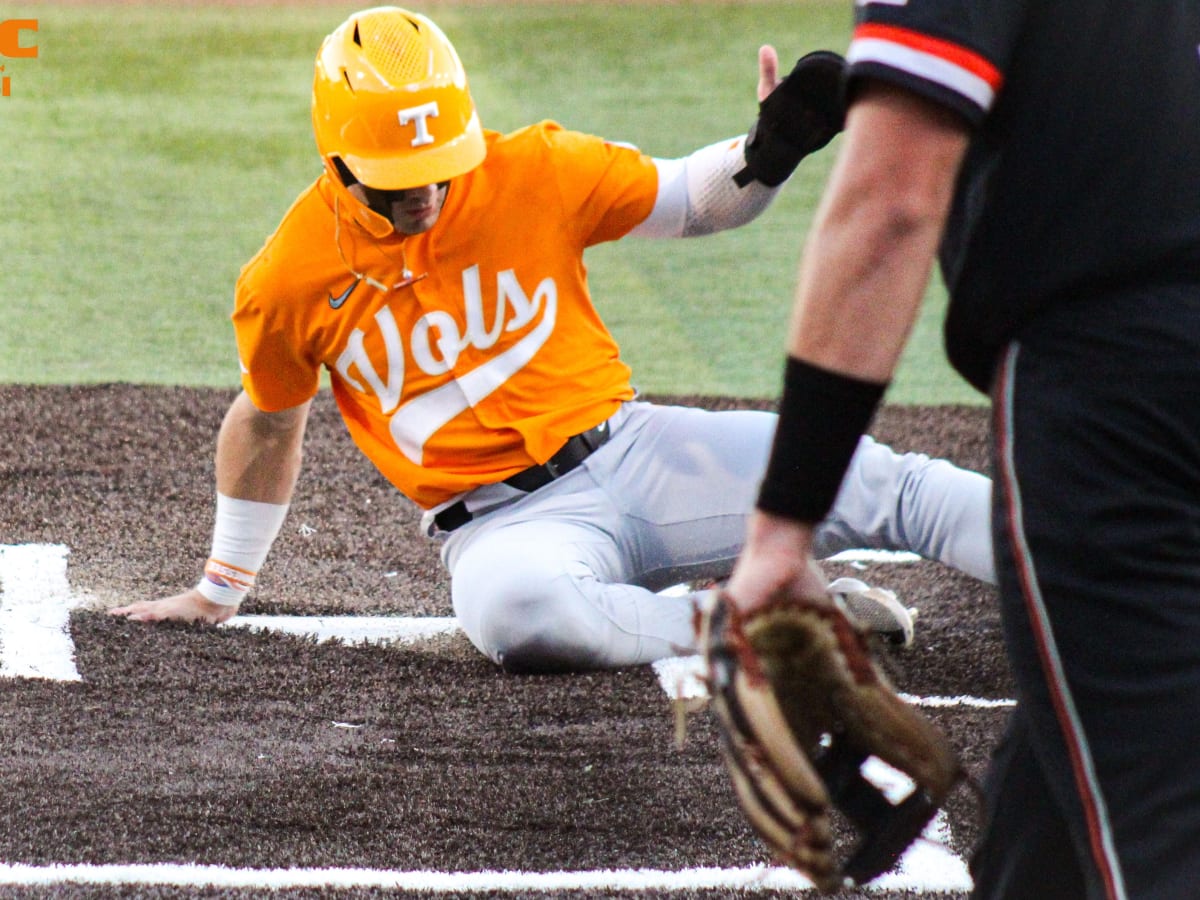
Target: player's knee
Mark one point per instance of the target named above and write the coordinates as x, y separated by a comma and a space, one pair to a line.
523, 619
533, 630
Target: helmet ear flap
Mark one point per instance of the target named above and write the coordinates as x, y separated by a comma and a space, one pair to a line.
391, 104
343, 171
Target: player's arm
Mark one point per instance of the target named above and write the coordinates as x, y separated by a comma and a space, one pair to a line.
729, 183
863, 273
257, 464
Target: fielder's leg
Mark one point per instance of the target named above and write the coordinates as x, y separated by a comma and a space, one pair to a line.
1098, 538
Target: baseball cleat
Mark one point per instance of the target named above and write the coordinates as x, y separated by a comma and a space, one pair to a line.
875, 609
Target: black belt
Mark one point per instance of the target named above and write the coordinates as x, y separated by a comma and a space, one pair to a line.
568, 457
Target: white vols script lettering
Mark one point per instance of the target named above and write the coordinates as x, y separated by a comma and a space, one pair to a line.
437, 340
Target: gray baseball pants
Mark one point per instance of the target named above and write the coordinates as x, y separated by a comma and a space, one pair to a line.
565, 577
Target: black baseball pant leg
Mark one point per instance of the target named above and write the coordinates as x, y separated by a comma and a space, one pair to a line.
1095, 791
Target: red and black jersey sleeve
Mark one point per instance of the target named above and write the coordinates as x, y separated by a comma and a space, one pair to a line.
954, 52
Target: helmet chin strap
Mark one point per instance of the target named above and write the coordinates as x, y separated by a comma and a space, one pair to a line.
407, 277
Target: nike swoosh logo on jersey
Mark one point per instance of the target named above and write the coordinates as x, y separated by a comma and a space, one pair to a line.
336, 302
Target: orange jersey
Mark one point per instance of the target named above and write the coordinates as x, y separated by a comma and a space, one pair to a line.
495, 356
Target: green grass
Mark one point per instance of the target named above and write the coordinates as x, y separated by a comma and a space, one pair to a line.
149, 150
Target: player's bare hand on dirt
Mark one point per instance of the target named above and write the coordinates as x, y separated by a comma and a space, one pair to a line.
768, 71
190, 606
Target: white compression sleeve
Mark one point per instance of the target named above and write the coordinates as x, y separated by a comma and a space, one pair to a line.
697, 194
243, 533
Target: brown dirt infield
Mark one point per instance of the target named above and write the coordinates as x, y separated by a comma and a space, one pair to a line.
198, 745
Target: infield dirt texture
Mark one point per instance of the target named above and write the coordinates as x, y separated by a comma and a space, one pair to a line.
229, 748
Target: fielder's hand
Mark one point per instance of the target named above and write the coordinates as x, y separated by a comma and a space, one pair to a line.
190, 606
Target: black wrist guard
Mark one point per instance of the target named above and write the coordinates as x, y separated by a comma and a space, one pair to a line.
803, 114
822, 416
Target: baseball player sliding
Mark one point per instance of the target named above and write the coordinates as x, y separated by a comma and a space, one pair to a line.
435, 269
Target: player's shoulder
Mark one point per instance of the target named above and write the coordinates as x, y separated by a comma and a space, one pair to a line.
303, 224
310, 207
550, 137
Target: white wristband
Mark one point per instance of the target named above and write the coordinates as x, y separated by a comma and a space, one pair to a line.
243, 533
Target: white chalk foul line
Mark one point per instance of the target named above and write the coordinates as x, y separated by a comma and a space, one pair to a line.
951, 878
36, 602
35, 609
876, 556
973, 702
352, 629
682, 678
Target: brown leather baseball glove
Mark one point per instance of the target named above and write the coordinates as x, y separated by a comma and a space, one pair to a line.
801, 704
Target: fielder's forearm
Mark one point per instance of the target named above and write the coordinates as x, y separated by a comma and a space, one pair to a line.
864, 272
870, 252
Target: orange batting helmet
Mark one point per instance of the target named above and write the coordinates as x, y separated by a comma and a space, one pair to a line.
391, 102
